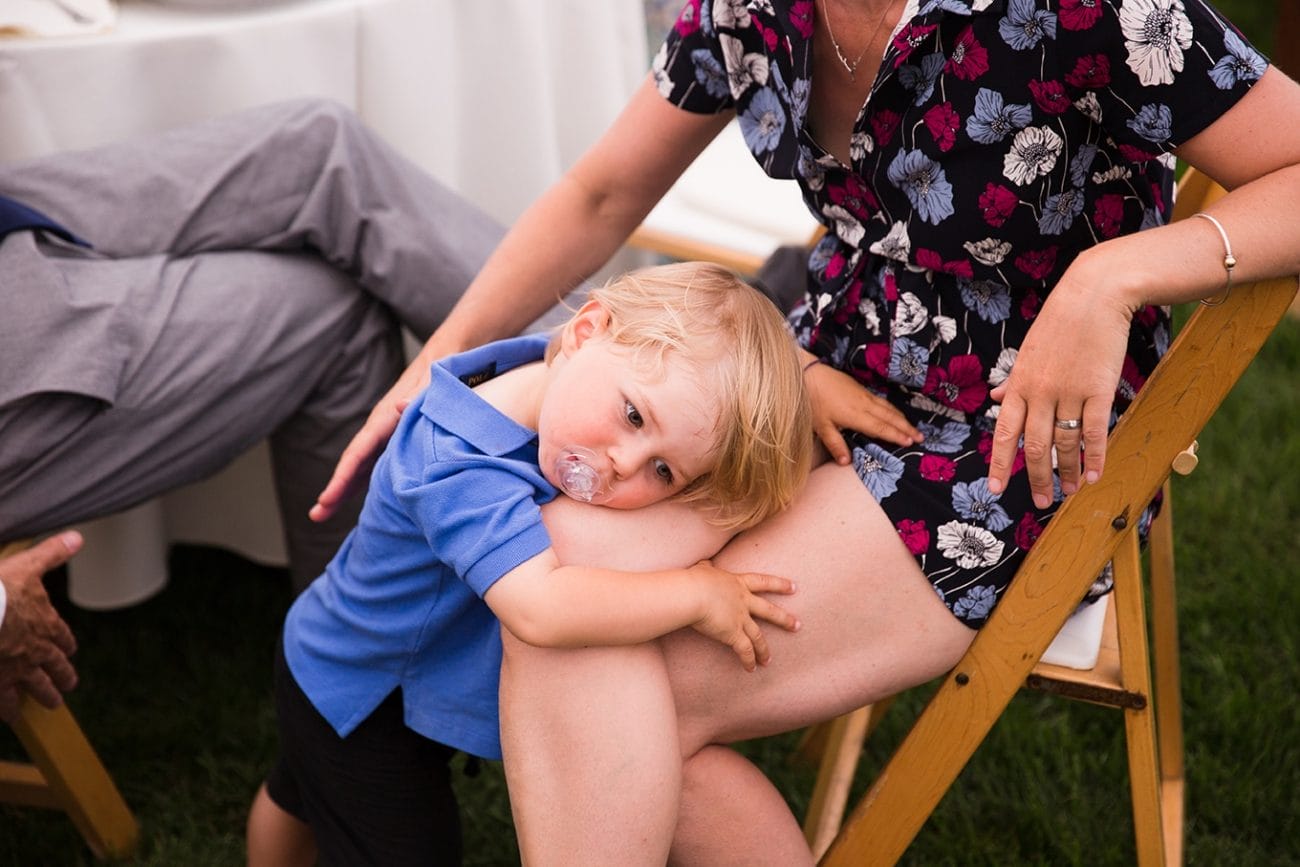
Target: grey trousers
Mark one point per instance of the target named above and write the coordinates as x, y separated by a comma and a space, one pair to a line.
248, 278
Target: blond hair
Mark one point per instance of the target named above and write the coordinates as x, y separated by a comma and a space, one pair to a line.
730, 332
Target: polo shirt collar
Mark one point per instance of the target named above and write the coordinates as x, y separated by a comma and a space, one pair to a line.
449, 404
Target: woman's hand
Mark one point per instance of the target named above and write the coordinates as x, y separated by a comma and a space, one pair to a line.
732, 609
1066, 371
839, 401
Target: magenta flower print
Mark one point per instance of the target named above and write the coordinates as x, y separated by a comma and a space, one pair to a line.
996, 203
854, 196
1027, 531
969, 60
1038, 263
801, 16
689, 19
1091, 72
937, 468
943, 123
915, 535
909, 39
1108, 215
960, 386
1079, 14
932, 260
884, 124
1050, 96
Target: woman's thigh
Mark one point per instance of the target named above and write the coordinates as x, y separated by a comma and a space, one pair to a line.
872, 625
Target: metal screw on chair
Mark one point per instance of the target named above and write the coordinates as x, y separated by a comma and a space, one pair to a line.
1186, 460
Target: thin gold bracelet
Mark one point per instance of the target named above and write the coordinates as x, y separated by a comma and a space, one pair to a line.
1229, 260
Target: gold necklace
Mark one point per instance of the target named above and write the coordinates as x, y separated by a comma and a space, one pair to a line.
852, 68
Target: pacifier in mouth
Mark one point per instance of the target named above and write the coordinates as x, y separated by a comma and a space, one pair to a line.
577, 477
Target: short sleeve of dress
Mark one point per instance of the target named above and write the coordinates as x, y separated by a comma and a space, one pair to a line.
1155, 72
690, 69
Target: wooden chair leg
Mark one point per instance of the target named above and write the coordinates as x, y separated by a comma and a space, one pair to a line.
67, 774
839, 743
1166, 686
1139, 721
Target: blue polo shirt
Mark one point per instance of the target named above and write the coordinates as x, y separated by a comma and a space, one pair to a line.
454, 504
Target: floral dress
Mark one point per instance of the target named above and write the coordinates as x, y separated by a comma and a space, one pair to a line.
1000, 138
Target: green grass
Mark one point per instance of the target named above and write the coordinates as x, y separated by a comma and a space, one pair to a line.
175, 694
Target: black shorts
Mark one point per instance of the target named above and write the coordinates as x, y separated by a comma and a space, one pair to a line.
382, 795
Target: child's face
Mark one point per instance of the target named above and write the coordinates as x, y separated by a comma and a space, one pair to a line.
645, 434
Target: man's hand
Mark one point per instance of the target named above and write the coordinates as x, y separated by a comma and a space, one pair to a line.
35, 643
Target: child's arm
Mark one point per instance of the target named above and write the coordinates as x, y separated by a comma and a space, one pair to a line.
549, 605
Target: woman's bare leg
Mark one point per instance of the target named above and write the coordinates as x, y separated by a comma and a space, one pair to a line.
589, 736
872, 626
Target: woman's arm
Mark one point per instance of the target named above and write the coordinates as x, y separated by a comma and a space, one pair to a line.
563, 238
548, 605
1070, 361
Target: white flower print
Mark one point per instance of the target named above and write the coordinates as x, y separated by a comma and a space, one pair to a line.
1090, 106
860, 145
971, 546
1033, 153
663, 83
742, 69
896, 245
1114, 173
928, 404
847, 227
910, 316
945, 328
989, 252
731, 13
1156, 33
1002, 369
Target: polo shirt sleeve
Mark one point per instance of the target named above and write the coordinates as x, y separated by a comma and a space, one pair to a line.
480, 516
1157, 73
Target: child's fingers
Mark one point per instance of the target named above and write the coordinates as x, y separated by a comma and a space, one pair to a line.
764, 609
743, 646
760, 582
762, 654
831, 437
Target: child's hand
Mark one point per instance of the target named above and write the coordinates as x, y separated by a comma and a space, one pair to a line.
839, 401
731, 610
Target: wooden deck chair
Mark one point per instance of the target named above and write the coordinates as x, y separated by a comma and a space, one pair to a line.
65, 774
1095, 526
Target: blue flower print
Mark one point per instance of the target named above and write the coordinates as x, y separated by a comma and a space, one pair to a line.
924, 183
1024, 26
1242, 63
799, 101
945, 440
908, 362
976, 604
1060, 211
878, 469
960, 7
710, 74
921, 79
763, 122
706, 17
975, 502
990, 300
992, 121
1153, 123
1081, 164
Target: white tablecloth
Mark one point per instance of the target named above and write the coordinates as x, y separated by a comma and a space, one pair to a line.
494, 97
